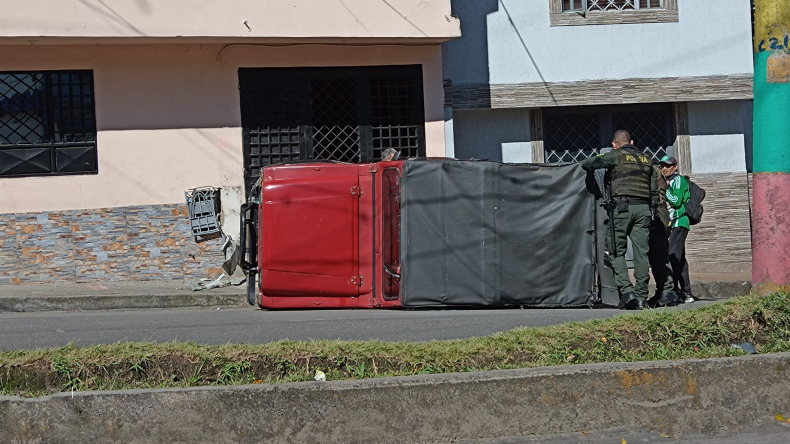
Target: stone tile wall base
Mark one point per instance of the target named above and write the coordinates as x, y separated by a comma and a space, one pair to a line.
108, 244
722, 241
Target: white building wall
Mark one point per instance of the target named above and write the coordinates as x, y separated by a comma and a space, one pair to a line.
511, 41
721, 136
500, 135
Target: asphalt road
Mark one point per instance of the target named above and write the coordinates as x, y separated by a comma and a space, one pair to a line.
248, 325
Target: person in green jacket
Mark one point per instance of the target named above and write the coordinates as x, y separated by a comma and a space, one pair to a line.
677, 195
634, 190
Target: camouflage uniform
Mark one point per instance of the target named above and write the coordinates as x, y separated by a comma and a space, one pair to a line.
634, 188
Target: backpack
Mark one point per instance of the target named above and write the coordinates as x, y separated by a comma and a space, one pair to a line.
694, 207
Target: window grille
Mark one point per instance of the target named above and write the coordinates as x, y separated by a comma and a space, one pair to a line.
47, 123
572, 135
610, 5
271, 112
650, 129
340, 114
395, 122
335, 122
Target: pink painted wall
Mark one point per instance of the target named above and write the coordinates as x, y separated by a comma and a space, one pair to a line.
169, 118
303, 19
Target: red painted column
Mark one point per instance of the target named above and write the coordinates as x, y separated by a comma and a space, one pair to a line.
771, 212
771, 232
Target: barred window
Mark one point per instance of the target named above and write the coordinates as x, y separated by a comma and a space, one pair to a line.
574, 134
610, 5
47, 123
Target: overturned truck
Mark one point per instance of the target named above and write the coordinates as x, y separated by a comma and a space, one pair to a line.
424, 233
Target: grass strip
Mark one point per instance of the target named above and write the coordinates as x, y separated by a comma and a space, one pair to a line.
646, 336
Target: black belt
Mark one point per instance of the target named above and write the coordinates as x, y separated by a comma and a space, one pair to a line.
632, 200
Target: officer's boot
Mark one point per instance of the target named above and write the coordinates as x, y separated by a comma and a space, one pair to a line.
668, 299
628, 301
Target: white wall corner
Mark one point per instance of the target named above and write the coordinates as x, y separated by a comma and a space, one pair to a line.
517, 152
449, 133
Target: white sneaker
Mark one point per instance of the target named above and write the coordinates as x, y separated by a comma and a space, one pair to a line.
689, 299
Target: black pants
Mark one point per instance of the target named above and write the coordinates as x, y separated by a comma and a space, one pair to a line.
677, 260
658, 255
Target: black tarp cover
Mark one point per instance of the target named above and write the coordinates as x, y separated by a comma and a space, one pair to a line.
490, 234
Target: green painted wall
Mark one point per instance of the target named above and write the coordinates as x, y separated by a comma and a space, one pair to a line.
771, 120
772, 86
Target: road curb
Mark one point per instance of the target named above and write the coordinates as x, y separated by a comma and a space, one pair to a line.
713, 396
721, 290
716, 290
115, 302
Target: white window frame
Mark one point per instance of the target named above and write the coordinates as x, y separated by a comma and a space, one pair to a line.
583, 15
585, 6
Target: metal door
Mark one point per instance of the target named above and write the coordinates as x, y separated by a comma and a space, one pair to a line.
309, 232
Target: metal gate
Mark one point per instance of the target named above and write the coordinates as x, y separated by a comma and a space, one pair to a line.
341, 114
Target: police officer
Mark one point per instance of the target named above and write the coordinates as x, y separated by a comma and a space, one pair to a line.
634, 190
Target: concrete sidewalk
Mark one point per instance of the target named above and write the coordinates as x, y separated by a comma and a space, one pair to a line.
174, 294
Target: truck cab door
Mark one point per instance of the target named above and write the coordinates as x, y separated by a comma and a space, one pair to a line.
310, 233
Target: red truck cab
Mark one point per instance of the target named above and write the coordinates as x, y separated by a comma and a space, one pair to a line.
324, 235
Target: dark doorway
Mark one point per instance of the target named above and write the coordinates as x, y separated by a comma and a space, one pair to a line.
348, 114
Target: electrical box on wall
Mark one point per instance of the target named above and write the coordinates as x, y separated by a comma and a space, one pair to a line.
203, 205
